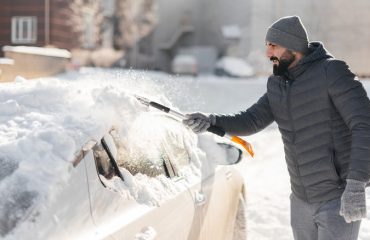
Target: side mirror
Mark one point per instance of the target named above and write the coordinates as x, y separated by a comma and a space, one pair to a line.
233, 154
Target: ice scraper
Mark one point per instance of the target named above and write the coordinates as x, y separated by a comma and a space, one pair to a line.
213, 129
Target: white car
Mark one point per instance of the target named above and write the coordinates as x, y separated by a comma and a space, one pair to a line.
233, 67
117, 193
185, 64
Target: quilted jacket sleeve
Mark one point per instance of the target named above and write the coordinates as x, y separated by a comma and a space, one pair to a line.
352, 102
247, 122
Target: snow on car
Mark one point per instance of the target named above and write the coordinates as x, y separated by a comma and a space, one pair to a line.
184, 64
83, 159
233, 67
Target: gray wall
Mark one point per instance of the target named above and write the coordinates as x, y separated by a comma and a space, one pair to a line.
217, 13
341, 25
206, 16
171, 15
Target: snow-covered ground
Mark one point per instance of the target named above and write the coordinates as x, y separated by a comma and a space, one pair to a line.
45, 120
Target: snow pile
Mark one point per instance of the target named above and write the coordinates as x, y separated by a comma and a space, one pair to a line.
45, 122
45, 51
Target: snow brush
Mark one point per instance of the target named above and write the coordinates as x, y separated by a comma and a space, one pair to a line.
213, 129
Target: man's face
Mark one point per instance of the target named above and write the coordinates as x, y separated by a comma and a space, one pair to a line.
281, 58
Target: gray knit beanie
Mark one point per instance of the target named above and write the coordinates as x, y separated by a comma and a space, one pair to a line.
290, 33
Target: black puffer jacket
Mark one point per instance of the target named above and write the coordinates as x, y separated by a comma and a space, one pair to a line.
323, 114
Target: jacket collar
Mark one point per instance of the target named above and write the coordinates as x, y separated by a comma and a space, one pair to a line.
316, 52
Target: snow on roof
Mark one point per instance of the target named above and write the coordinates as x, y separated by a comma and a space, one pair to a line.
45, 51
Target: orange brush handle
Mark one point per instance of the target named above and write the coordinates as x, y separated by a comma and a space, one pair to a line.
244, 143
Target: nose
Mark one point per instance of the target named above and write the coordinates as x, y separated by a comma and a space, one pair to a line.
269, 52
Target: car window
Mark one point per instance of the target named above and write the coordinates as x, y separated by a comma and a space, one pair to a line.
165, 153
176, 152
168, 159
110, 155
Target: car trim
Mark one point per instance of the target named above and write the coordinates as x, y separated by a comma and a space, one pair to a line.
111, 158
81, 154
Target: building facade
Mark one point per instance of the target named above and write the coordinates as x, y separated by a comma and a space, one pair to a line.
152, 32
36, 23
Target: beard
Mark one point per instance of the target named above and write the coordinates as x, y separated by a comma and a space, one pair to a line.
285, 60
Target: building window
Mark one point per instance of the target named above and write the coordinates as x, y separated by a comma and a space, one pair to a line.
24, 29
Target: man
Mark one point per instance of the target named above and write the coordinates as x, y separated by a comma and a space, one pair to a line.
323, 114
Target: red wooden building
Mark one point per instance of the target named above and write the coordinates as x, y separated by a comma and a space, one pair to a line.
37, 23
81, 26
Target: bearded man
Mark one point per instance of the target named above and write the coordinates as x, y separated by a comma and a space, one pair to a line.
323, 114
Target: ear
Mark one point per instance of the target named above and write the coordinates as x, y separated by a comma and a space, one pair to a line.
298, 55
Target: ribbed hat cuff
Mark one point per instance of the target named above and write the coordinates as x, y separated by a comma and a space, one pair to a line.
286, 40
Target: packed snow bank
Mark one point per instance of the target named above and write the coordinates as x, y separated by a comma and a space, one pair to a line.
43, 124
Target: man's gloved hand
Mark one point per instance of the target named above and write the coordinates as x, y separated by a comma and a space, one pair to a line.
353, 201
199, 122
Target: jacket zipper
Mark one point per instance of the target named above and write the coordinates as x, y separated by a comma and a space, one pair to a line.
288, 84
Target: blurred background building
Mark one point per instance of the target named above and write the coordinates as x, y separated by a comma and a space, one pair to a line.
149, 34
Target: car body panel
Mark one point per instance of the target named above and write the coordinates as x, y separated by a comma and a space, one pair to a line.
125, 217
203, 207
217, 214
67, 215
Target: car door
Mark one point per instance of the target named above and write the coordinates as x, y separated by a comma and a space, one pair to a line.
217, 197
120, 215
67, 215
